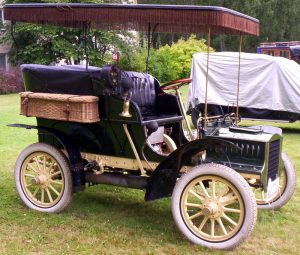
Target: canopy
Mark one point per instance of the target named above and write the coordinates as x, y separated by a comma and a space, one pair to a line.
164, 18
266, 82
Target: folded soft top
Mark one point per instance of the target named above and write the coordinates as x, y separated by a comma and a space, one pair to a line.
266, 82
69, 79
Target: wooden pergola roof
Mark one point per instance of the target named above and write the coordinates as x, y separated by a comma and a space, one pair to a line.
165, 18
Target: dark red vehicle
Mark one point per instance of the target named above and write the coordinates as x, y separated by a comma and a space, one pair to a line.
290, 50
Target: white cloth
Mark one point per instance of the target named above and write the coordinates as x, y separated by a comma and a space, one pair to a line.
266, 82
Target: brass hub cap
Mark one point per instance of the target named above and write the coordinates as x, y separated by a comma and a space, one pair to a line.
212, 208
42, 179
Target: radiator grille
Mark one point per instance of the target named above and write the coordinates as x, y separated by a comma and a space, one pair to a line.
246, 149
273, 164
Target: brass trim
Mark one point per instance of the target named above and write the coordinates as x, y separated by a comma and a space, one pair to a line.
118, 162
126, 106
178, 94
239, 79
124, 163
206, 77
143, 172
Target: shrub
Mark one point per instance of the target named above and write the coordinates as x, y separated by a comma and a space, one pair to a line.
174, 62
11, 81
168, 62
134, 60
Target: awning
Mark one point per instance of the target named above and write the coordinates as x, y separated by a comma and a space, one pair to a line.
164, 18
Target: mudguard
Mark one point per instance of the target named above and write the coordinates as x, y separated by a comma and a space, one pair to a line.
163, 180
75, 159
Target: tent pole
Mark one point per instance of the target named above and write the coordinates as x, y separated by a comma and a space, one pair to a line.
206, 82
238, 85
85, 31
148, 47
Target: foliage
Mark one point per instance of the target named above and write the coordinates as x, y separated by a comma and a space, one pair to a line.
133, 60
174, 62
11, 81
50, 44
279, 20
166, 63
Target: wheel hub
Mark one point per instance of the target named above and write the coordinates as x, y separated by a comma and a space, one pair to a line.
212, 209
41, 180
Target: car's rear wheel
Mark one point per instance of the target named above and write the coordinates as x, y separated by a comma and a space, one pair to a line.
43, 178
213, 206
287, 186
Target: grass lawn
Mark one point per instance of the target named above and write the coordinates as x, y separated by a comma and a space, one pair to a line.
112, 220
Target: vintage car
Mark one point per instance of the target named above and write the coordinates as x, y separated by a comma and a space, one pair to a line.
290, 50
103, 125
269, 86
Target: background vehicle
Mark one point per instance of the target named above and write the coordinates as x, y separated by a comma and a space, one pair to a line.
138, 140
288, 50
269, 86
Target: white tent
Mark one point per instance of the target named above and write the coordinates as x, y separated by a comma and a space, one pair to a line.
266, 82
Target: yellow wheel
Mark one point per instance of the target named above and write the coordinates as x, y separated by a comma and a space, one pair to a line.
213, 206
287, 186
43, 178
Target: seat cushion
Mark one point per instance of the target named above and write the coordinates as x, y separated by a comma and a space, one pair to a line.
153, 103
143, 92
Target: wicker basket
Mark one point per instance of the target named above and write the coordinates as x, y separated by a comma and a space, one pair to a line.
60, 107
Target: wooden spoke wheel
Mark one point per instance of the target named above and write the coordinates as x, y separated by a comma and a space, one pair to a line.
213, 206
43, 178
287, 186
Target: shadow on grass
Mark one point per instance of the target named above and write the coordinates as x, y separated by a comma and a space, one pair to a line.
291, 130
125, 207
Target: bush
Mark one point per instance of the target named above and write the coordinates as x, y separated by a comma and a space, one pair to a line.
168, 62
11, 81
174, 62
134, 60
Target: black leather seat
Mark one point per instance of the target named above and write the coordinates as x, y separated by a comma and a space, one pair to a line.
153, 103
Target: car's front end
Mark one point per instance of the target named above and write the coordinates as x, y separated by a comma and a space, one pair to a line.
257, 155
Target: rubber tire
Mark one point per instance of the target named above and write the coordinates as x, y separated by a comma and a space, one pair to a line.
242, 187
289, 189
66, 198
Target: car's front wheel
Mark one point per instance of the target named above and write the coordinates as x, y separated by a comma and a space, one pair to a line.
213, 206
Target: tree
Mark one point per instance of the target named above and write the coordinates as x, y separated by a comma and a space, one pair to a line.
50, 44
279, 20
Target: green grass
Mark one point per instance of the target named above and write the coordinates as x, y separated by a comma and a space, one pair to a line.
111, 220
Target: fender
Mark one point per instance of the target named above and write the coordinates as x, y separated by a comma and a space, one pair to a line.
75, 159
163, 179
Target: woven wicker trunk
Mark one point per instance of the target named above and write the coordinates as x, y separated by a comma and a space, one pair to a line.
65, 107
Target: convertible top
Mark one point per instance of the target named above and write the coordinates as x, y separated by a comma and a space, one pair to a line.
68, 79
266, 82
161, 18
